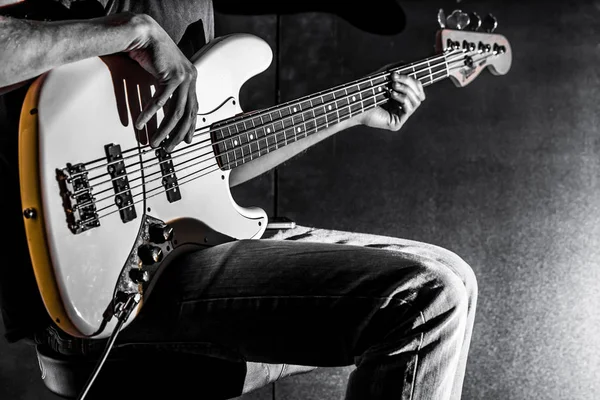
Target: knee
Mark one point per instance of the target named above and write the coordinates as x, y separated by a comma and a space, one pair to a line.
433, 289
449, 289
431, 298
463, 270
451, 271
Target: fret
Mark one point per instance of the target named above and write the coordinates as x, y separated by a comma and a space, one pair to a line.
236, 154
274, 115
368, 97
316, 101
272, 129
251, 133
261, 133
306, 111
379, 82
352, 89
284, 112
341, 104
330, 108
376, 91
439, 70
320, 112
343, 99
237, 145
277, 125
350, 100
242, 140
373, 90
430, 73
310, 122
356, 100
319, 107
280, 131
306, 105
222, 146
297, 125
269, 129
290, 133
344, 113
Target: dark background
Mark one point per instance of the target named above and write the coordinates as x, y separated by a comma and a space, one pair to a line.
505, 172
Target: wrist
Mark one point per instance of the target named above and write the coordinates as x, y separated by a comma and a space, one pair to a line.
142, 28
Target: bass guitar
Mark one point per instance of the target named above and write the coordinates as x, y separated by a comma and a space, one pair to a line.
105, 213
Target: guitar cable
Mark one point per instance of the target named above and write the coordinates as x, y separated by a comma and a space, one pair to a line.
122, 315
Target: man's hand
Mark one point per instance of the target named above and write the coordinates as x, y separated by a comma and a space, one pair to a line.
156, 52
406, 95
31, 48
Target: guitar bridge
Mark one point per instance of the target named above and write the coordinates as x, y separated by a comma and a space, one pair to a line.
78, 201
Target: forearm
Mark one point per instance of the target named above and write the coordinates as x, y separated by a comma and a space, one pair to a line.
271, 160
30, 48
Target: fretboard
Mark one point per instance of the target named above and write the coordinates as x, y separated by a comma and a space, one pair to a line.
249, 136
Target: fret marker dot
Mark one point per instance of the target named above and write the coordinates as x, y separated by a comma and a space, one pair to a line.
251, 137
235, 142
380, 89
295, 109
299, 129
268, 130
330, 107
353, 98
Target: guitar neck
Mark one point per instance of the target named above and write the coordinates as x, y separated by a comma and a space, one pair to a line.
249, 136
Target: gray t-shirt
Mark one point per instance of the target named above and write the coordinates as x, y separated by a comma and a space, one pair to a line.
175, 16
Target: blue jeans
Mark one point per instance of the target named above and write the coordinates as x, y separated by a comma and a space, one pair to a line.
401, 311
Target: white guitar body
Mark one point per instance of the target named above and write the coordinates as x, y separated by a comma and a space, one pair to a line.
77, 115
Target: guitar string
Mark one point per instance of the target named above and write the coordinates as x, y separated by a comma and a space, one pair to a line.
183, 181
249, 144
229, 164
267, 110
250, 132
254, 130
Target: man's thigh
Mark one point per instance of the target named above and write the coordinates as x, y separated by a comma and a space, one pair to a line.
299, 299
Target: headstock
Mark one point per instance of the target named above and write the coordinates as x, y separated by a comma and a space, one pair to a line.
470, 46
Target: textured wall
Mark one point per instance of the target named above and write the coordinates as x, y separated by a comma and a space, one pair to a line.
504, 172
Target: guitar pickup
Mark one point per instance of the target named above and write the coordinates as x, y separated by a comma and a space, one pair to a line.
120, 181
169, 180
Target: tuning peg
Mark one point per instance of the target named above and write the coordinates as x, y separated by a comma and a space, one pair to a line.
489, 24
475, 21
441, 17
457, 20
